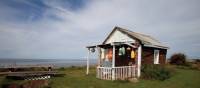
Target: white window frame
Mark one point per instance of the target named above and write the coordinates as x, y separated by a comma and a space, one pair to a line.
156, 56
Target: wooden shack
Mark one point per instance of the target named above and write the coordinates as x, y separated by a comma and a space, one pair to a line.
122, 53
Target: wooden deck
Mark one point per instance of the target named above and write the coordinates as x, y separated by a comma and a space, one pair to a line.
31, 75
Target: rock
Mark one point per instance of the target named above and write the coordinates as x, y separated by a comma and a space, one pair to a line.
133, 80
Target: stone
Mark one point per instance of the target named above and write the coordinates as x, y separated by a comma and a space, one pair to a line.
133, 80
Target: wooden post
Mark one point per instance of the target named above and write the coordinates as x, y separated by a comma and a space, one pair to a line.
99, 55
139, 61
87, 72
113, 63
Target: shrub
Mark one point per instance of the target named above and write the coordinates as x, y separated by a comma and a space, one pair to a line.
61, 68
197, 61
10, 86
196, 64
178, 59
157, 72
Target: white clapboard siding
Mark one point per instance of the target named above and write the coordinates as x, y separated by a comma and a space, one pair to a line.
118, 36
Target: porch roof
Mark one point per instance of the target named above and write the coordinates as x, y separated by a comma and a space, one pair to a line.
111, 44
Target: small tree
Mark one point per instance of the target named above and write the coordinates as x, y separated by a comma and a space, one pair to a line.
178, 59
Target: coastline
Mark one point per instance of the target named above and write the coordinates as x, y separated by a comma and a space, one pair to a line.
55, 62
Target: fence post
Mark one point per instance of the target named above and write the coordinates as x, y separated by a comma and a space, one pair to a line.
87, 72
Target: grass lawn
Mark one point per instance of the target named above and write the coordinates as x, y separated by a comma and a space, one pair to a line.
3, 80
76, 78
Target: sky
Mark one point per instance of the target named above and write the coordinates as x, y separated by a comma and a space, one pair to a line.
51, 29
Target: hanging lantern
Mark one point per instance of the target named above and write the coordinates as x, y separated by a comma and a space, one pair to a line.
92, 50
128, 48
133, 54
110, 55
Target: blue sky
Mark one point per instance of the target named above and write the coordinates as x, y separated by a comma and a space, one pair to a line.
62, 28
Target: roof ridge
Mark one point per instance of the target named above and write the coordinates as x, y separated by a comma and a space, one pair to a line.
126, 30
132, 31
146, 40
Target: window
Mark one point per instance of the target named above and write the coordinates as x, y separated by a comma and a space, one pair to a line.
156, 56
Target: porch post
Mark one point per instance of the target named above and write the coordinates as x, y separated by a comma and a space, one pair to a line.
139, 61
87, 72
113, 63
99, 55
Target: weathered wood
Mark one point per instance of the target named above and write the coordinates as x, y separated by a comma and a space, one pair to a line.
113, 63
31, 74
87, 71
99, 55
148, 55
139, 61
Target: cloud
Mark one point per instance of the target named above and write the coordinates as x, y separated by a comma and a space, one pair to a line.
59, 31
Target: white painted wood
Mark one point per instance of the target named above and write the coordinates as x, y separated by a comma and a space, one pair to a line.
129, 44
134, 72
156, 56
113, 63
118, 36
99, 55
129, 72
87, 71
139, 61
122, 72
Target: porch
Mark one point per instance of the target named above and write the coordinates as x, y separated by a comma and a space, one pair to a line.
116, 73
114, 64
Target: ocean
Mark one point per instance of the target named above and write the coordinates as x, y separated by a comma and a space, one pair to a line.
55, 62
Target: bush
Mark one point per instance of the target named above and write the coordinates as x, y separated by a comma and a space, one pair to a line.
61, 68
197, 61
10, 86
196, 64
157, 72
178, 59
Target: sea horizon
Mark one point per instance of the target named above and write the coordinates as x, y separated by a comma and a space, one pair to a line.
54, 62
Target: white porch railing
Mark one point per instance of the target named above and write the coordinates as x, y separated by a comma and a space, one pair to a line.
122, 72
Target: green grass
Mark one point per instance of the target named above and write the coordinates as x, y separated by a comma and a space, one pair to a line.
3, 80
76, 78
